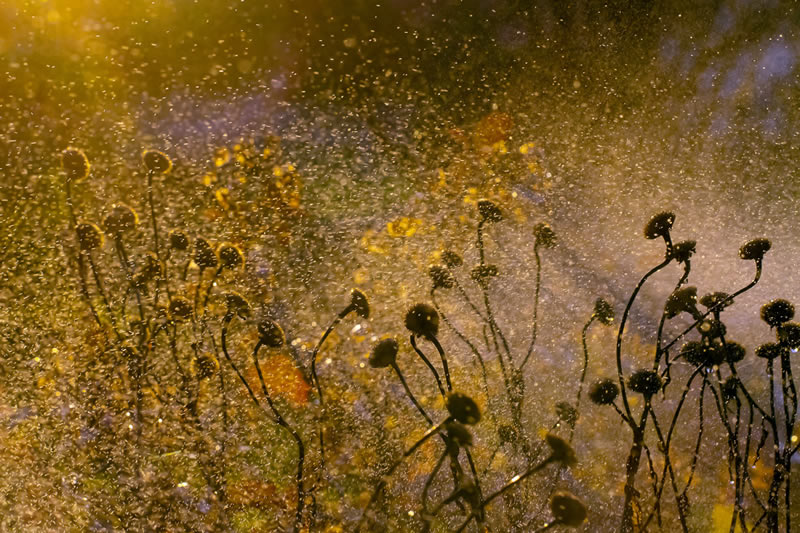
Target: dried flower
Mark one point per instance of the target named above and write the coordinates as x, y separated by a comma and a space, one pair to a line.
714, 299
705, 355
560, 450
451, 259
359, 303
735, 352
458, 433
178, 240
729, 388
645, 382
789, 335
270, 334
180, 308
489, 211
545, 236
680, 301
89, 236
771, 350
755, 249
205, 365
776, 312
463, 408
156, 161
482, 273
422, 320
659, 225
567, 509
683, 251
75, 164
236, 303
120, 219
603, 312
384, 353
567, 413
713, 329
204, 255
441, 277
230, 256
604, 392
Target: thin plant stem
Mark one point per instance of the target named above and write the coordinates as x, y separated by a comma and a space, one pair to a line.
428, 364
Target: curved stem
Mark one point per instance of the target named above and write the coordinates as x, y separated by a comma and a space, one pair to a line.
411, 395
429, 365
535, 304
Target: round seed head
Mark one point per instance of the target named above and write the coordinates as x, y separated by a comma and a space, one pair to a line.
567, 413
789, 335
156, 161
716, 298
729, 388
180, 308
489, 211
560, 450
120, 219
230, 256
451, 259
680, 301
604, 392
735, 352
771, 350
384, 353
754, 250
89, 236
463, 408
178, 240
545, 236
458, 433
270, 334
441, 277
567, 509
683, 251
713, 329
236, 303
776, 312
205, 365
422, 320
645, 382
359, 303
483, 273
659, 225
75, 164
204, 255
705, 355
603, 312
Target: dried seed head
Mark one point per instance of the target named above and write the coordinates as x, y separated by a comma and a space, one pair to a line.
604, 392
270, 334
180, 308
230, 256
483, 273
729, 388
489, 211
645, 382
560, 450
75, 164
683, 251
422, 320
120, 219
236, 303
735, 352
451, 259
754, 250
567, 413
680, 301
441, 277
205, 365
463, 408
776, 312
789, 335
204, 255
567, 509
150, 267
156, 161
603, 312
384, 353
178, 240
545, 236
89, 236
659, 225
713, 329
716, 298
359, 303
705, 355
771, 350
458, 433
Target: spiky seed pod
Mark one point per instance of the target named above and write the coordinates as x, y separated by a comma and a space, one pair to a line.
603, 312
422, 320
713, 329
463, 408
441, 277
729, 388
680, 301
236, 303
771, 350
567, 413
359, 303
270, 334
659, 225
483, 273
230, 256
604, 392
120, 219
89, 236
645, 382
458, 433
489, 211
789, 335
776, 312
384, 353
204, 255
180, 308
178, 240
205, 365
545, 236
156, 161
705, 355
560, 450
451, 259
150, 267
683, 251
716, 298
754, 250
75, 164
567, 509
735, 352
